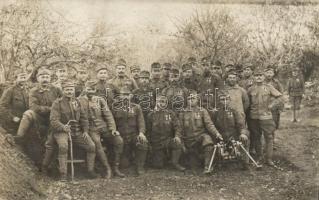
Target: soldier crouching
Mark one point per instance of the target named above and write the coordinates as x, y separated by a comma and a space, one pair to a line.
67, 117
102, 124
198, 130
164, 133
130, 123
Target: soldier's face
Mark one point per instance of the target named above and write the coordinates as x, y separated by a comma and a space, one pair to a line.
83, 75
156, 73
44, 79
22, 78
136, 73
174, 77
259, 78
166, 72
188, 74
192, 101
231, 79
294, 73
247, 72
269, 74
69, 92
217, 70
62, 74
144, 80
102, 75
90, 91
120, 70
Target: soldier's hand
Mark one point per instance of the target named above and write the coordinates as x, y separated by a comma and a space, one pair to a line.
115, 133
67, 128
177, 140
16, 119
142, 137
219, 137
243, 138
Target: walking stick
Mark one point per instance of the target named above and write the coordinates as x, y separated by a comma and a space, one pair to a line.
71, 152
295, 120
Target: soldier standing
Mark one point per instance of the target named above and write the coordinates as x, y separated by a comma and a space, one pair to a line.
130, 123
231, 124
61, 72
164, 133
102, 124
135, 72
68, 117
296, 89
188, 80
156, 83
263, 98
122, 80
82, 77
247, 80
14, 102
102, 87
198, 129
238, 96
175, 93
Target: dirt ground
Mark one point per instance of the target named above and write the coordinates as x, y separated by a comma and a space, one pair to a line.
296, 154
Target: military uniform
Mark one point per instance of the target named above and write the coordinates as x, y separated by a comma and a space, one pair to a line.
189, 83
13, 103
238, 99
130, 122
197, 132
176, 96
63, 110
101, 124
296, 88
126, 83
104, 90
163, 125
260, 117
79, 87
246, 82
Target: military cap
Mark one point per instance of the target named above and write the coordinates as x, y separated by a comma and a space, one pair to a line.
270, 67
100, 67
167, 66
186, 67
258, 71
19, 72
174, 70
90, 83
231, 71
67, 84
135, 67
121, 62
156, 65
43, 71
248, 66
216, 62
191, 60
145, 74
81, 68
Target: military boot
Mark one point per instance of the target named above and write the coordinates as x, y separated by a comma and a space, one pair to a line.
176, 154
105, 163
90, 159
269, 153
140, 158
207, 156
116, 170
63, 167
46, 161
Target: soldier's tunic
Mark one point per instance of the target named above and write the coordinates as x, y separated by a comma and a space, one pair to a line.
207, 88
260, 117
79, 87
157, 85
190, 84
64, 110
145, 97
246, 82
130, 122
105, 90
276, 110
296, 88
238, 99
162, 127
13, 103
176, 95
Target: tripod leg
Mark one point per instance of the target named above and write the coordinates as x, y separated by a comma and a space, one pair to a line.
251, 158
212, 159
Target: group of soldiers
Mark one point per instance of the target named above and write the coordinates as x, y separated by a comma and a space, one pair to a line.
154, 117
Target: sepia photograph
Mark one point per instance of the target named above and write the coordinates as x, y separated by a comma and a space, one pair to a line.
159, 99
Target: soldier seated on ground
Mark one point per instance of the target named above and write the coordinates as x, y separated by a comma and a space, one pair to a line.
231, 124
164, 134
198, 130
